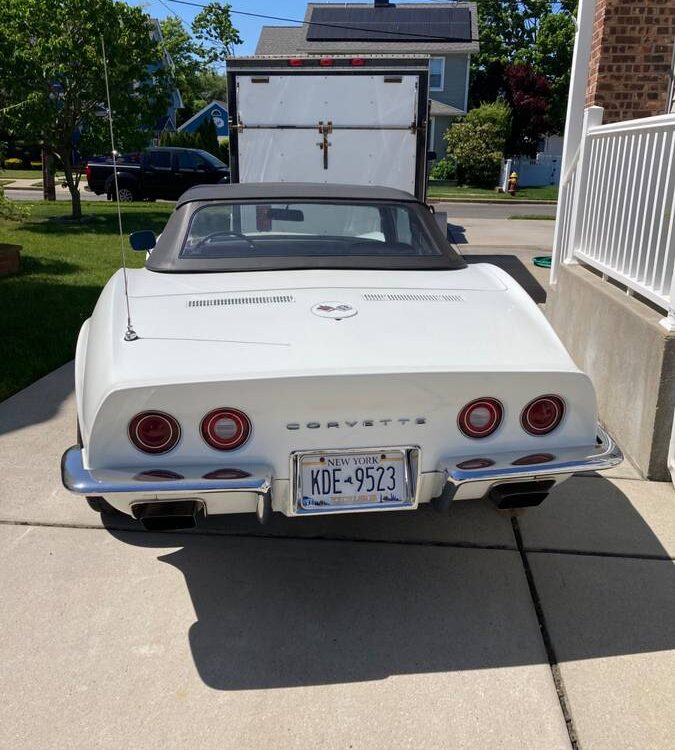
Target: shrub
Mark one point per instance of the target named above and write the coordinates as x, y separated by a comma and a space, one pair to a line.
495, 113
476, 151
13, 163
476, 144
443, 169
11, 211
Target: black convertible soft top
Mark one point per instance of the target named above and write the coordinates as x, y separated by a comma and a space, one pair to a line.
166, 256
293, 190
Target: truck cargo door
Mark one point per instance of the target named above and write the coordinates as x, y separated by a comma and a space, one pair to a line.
337, 128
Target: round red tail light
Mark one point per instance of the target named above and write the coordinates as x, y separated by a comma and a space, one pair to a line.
226, 429
480, 418
542, 415
154, 432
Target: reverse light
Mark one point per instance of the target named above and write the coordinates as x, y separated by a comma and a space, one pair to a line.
542, 415
154, 432
226, 429
481, 417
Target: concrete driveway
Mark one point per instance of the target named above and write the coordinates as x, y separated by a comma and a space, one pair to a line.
399, 630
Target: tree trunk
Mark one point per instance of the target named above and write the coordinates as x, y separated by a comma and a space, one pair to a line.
73, 185
48, 186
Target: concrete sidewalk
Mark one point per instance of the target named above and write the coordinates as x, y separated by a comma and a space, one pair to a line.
399, 630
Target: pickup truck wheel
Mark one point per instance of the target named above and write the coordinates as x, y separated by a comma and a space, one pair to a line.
100, 505
126, 194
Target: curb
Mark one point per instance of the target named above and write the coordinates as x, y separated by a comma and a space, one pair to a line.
494, 201
14, 187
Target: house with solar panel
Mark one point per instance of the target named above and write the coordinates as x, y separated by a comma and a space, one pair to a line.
447, 32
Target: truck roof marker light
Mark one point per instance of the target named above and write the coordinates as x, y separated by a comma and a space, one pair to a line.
358, 62
326, 62
296, 62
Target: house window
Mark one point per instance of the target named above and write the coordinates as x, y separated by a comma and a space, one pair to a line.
436, 73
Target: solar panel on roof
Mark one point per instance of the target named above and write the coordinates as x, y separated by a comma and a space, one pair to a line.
344, 24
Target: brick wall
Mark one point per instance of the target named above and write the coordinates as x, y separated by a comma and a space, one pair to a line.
631, 58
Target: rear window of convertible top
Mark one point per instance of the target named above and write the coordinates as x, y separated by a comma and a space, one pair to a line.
308, 229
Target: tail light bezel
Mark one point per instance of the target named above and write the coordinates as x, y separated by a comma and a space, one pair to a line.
236, 415
493, 404
525, 421
144, 447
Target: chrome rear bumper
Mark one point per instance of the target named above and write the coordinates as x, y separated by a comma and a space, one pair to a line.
504, 467
183, 480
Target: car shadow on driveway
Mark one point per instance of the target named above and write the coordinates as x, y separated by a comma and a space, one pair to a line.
515, 267
285, 611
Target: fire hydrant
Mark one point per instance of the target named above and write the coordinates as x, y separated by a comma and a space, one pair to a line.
513, 183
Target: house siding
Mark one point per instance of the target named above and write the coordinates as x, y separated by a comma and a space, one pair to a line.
454, 83
436, 142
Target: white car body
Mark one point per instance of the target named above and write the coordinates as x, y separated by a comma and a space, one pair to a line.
420, 345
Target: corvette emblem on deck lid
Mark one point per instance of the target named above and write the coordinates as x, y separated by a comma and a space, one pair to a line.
334, 310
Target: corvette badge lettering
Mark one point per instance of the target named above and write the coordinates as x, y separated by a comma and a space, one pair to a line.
356, 423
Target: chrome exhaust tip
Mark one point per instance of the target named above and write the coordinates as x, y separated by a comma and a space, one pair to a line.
168, 516
510, 495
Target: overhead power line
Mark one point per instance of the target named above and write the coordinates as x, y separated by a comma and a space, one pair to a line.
397, 34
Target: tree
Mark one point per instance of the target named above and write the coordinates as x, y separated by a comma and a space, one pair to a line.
52, 62
539, 33
213, 25
196, 80
529, 96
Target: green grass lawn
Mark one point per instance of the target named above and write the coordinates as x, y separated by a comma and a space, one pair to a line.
24, 174
531, 217
64, 267
439, 189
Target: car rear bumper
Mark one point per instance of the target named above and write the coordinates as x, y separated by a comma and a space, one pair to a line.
193, 480
250, 482
512, 467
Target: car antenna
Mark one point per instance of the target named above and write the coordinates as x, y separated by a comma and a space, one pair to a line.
130, 334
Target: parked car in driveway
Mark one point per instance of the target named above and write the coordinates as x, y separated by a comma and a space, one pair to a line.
316, 349
161, 172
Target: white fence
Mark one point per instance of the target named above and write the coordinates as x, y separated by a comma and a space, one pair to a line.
543, 170
616, 210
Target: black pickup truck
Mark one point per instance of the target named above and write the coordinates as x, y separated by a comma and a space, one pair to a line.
161, 172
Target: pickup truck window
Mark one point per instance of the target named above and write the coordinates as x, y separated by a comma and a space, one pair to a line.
160, 159
191, 160
305, 229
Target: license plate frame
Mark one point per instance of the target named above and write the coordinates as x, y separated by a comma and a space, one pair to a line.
411, 456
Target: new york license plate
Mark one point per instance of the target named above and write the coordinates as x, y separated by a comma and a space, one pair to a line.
342, 480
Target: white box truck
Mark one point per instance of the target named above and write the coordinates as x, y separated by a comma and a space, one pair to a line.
337, 119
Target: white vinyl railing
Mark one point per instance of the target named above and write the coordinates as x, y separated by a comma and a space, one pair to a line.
617, 206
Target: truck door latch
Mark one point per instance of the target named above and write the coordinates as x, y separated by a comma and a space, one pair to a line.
325, 130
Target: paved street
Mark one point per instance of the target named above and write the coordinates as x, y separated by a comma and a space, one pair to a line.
400, 630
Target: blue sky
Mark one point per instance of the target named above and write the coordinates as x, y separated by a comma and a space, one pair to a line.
249, 28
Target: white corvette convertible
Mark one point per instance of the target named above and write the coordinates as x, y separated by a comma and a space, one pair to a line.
316, 349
